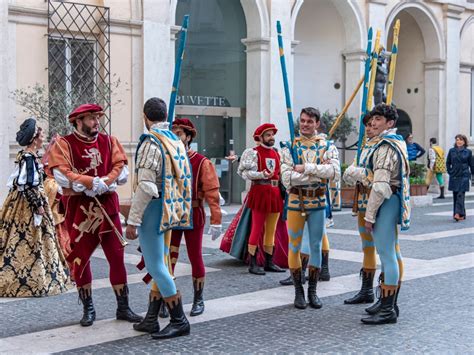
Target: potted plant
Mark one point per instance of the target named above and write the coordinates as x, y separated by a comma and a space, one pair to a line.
418, 186
347, 192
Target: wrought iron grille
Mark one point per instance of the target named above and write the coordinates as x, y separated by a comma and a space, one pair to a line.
78, 61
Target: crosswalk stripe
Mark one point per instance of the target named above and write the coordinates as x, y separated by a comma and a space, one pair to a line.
110, 329
449, 213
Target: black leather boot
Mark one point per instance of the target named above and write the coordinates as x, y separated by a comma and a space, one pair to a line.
300, 301
123, 310
163, 311
198, 301
441, 190
324, 273
376, 306
387, 314
313, 298
270, 266
88, 315
150, 323
178, 325
366, 293
289, 280
254, 268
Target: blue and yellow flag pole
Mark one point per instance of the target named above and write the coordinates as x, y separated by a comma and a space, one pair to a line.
177, 68
393, 62
285, 84
365, 93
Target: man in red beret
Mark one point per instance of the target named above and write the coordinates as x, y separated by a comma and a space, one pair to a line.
89, 165
205, 187
261, 166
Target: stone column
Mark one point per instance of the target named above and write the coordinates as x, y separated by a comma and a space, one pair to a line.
257, 110
376, 17
465, 99
434, 105
5, 119
452, 17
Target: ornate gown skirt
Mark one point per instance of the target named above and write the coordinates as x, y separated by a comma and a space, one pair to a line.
31, 261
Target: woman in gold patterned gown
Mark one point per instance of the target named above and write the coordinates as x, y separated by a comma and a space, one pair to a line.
31, 261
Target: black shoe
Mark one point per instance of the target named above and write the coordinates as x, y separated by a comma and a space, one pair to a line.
178, 325
386, 315
300, 301
313, 298
270, 266
441, 195
88, 315
366, 293
163, 311
324, 273
198, 301
287, 282
123, 310
150, 323
375, 308
254, 268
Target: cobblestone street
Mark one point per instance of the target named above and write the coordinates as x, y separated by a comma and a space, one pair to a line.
254, 314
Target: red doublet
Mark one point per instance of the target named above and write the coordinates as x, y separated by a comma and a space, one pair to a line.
84, 219
265, 197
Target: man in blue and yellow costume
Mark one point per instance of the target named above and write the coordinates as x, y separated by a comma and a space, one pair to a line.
388, 205
162, 201
307, 164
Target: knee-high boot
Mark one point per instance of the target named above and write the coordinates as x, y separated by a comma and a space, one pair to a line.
178, 325
366, 293
313, 298
253, 267
324, 274
88, 315
123, 310
299, 301
386, 314
375, 308
150, 323
198, 301
289, 280
270, 266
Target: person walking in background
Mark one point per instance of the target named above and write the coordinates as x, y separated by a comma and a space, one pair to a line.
436, 165
460, 167
415, 150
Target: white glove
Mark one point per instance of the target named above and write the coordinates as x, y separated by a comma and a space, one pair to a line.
99, 185
113, 186
215, 231
123, 177
78, 187
221, 200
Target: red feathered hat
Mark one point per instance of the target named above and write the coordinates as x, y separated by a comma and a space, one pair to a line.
83, 110
262, 129
186, 124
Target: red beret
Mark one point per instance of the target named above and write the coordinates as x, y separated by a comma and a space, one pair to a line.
262, 129
185, 123
82, 110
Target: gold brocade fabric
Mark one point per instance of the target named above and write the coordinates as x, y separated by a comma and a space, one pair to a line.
31, 261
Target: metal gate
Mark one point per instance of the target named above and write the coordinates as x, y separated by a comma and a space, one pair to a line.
78, 61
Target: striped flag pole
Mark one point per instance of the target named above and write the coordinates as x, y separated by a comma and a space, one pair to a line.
177, 68
364, 94
393, 62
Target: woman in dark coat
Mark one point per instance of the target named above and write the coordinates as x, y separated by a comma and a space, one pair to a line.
460, 167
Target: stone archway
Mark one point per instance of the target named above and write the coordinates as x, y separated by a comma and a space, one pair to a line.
420, 67
330, 38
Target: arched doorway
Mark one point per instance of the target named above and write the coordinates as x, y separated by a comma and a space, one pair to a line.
212, 91
420, 66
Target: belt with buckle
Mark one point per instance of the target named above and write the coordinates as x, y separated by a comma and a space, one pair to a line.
308, 192
274, 183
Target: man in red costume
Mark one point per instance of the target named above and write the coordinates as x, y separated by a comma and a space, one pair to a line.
205, 187
89, 165
261, 165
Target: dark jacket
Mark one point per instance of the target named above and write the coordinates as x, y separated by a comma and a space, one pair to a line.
414, 151
460, 166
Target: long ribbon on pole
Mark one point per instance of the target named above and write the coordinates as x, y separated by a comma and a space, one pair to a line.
364, 94
393, 62
177, 68
285, 85
339, 118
